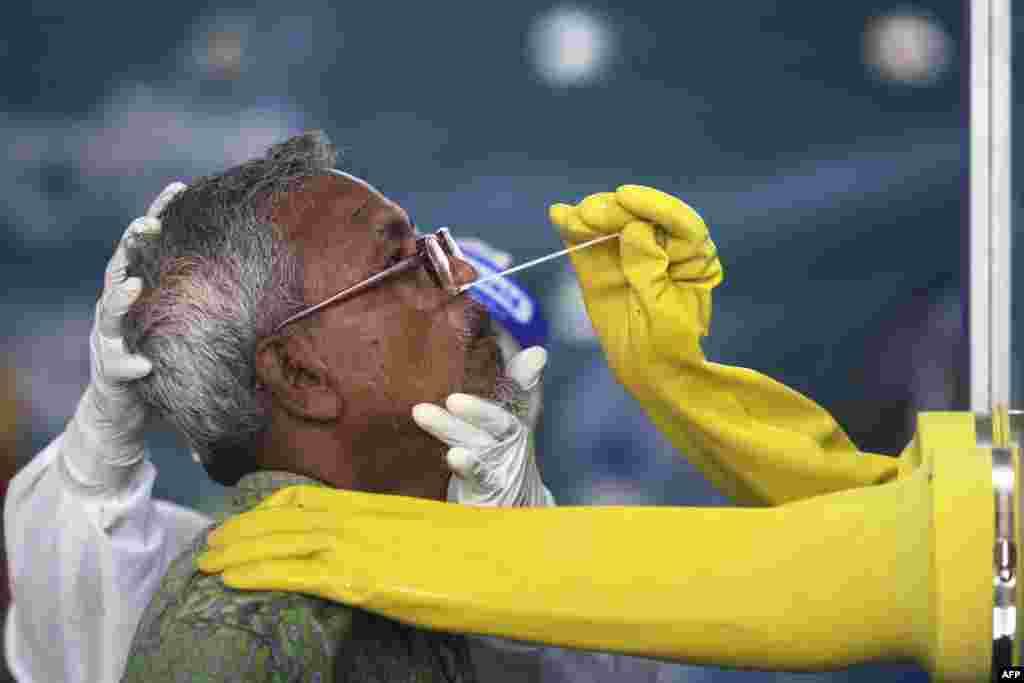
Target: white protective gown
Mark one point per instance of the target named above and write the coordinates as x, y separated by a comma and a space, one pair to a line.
84, 566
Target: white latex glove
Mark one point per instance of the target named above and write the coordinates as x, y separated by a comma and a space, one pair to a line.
491, 450
103, 443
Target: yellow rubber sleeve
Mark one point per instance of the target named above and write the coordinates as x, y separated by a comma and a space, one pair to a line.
805, 586
897, 571
755, 439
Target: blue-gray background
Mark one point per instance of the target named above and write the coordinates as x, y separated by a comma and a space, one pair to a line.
824, 143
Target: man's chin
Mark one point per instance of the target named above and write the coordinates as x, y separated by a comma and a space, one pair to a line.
484, 366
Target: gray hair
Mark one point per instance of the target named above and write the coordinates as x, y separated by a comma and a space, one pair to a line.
219, 276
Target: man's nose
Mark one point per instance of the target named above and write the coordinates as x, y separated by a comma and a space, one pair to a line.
462, 272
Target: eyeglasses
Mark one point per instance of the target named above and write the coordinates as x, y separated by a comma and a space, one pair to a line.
433, 252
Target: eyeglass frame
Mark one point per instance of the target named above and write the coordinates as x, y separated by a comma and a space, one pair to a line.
430, 252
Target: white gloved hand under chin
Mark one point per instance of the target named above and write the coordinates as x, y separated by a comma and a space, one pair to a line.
103, 443
490, 449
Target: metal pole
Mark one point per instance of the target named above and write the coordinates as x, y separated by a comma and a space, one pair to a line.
990, 204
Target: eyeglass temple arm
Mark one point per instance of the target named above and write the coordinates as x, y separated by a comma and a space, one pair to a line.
407, 264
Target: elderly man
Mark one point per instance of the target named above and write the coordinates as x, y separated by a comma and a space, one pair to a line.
84, 502
270, 391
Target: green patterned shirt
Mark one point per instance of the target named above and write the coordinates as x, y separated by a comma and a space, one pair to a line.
197, 630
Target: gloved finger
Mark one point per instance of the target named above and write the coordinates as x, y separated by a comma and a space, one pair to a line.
646, 268
304, 507
118, 365
570, 226
692, 260
644, 261
603, 213
597, 267
129, 368
142, 227
261, 522
116, 266
664, 210
266, 547
449, 429
681, 250
527, 366
463, 462
310, 576
482, 414
698, 266
559, 214
164, 198
116, 301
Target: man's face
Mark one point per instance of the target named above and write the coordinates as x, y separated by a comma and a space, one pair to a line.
402, 342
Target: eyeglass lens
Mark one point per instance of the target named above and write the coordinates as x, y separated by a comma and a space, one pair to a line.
437, 248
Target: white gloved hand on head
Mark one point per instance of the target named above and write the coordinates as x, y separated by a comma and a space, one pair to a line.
490, 449
103, 442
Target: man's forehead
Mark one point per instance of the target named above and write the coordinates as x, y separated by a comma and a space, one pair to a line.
333, 200
395, 211
331, 192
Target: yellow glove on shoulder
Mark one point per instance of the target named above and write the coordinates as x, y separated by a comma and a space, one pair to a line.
648, 295
720, 586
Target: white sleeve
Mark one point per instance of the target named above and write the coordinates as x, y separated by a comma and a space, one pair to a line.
83, 567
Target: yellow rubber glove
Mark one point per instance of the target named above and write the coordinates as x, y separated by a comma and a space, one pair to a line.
648, 295
806, 586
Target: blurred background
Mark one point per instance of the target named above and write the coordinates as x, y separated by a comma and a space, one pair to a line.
825, 144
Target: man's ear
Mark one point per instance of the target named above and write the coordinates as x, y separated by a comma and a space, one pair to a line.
297, 378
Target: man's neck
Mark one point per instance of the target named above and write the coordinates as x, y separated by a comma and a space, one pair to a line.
406, 464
